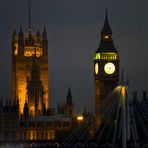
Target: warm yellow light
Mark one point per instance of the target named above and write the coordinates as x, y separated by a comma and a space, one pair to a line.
97, 56
109, 68
29, 51
22, 95
106, 36
31, 136
123, 91
16, 49
112, 56
16, 52
80, 118
96, 68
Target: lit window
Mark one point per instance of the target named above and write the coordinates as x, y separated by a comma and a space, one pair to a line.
96, 68
16, 52
16, 49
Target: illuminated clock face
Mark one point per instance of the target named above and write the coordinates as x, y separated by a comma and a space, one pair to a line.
109, 68
96, 68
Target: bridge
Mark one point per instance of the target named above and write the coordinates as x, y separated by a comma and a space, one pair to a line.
125, 124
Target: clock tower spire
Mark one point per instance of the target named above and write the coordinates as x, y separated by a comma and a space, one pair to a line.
106, 70
106, 27
29, 14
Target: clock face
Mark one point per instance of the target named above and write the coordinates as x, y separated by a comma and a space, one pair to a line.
96, 68
109, 68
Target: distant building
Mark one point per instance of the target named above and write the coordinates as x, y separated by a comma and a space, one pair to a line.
43, 127
25, 128
9, 122
68, 107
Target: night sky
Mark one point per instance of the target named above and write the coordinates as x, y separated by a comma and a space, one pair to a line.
73, 28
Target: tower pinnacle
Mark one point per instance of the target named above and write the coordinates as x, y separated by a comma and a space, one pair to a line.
106, 43
44, 33
14, 33
69, 97
106, 28
29, 13
21, 33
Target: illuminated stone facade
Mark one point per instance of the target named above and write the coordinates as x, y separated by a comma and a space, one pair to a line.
23, 48
15, 128
106, 71
35, 91
43, 127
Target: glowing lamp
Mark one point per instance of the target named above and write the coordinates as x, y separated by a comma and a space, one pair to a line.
80, 118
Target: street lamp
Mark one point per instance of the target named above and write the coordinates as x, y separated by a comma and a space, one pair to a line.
80, 118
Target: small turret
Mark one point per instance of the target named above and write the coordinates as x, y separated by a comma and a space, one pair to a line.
44, 34
45, 43
21, 42
69, 103
38, 34
38, 38
21, 34
14, 36
69, 97
26, 110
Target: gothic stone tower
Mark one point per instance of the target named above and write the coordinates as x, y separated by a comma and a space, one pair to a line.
35, 91
68, 107
106, 70
23, 48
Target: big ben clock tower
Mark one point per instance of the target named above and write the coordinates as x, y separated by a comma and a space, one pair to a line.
106, 70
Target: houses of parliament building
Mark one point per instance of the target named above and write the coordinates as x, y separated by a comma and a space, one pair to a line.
27, 115
32, 117
28, 108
